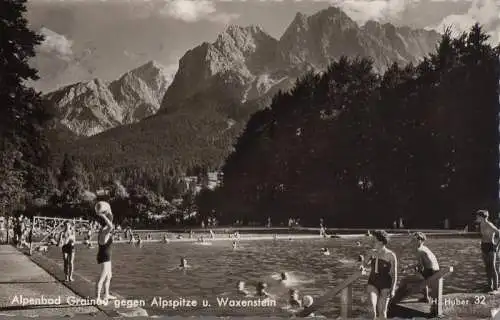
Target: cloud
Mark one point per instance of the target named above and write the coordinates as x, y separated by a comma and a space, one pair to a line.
55, 43
196, 10
485, 12
378, 10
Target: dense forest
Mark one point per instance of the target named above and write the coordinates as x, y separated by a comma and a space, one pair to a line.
360, 150
348, 145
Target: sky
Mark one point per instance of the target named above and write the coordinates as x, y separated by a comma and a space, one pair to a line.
88, 39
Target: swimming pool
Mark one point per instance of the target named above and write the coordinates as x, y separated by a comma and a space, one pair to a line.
149, 272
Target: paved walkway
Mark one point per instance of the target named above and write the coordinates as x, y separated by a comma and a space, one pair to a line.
21, 278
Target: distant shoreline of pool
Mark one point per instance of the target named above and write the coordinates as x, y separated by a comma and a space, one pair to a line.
278, 237
297, 230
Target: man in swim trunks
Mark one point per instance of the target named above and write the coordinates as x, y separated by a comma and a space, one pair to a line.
427, 265
489, 248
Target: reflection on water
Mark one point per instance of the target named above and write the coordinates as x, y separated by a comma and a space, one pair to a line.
151, 270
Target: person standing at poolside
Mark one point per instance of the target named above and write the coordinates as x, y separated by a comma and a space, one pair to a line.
489, 248
67, 244
104, 240
426, 266
383, 276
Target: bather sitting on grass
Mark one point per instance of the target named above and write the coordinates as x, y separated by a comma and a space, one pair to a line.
426, 266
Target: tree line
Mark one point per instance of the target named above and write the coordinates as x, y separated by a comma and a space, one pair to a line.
361, 149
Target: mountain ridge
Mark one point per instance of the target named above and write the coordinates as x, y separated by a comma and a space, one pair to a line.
236, 75
90, 107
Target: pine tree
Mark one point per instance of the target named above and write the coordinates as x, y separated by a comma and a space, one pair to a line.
22, 112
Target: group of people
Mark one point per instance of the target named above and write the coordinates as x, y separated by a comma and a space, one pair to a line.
67, 240
383, 265
382, 262
383, 277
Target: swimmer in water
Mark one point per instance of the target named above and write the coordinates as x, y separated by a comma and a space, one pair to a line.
294, 300
184, 263
283, 277
242, 290
307, 302
325, 251
261, 290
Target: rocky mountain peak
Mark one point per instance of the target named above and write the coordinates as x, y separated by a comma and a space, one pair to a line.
316, 39
88, 108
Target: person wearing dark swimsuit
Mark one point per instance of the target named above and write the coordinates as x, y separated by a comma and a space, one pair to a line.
383, 276
67, 243
104, 240
490, 240
104, 251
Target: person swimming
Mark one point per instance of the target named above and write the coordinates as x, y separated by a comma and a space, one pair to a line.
242, 290
325, 251
184, 263
294, 300
262, 290
307, 302
283, 277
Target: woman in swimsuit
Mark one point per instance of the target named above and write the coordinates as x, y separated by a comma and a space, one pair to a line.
383, 276
67, 244
104, 240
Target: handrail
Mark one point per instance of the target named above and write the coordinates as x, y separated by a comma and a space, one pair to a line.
421, 285
437, 299
345, 289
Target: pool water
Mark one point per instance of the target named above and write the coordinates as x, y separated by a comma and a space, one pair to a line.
150, 271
